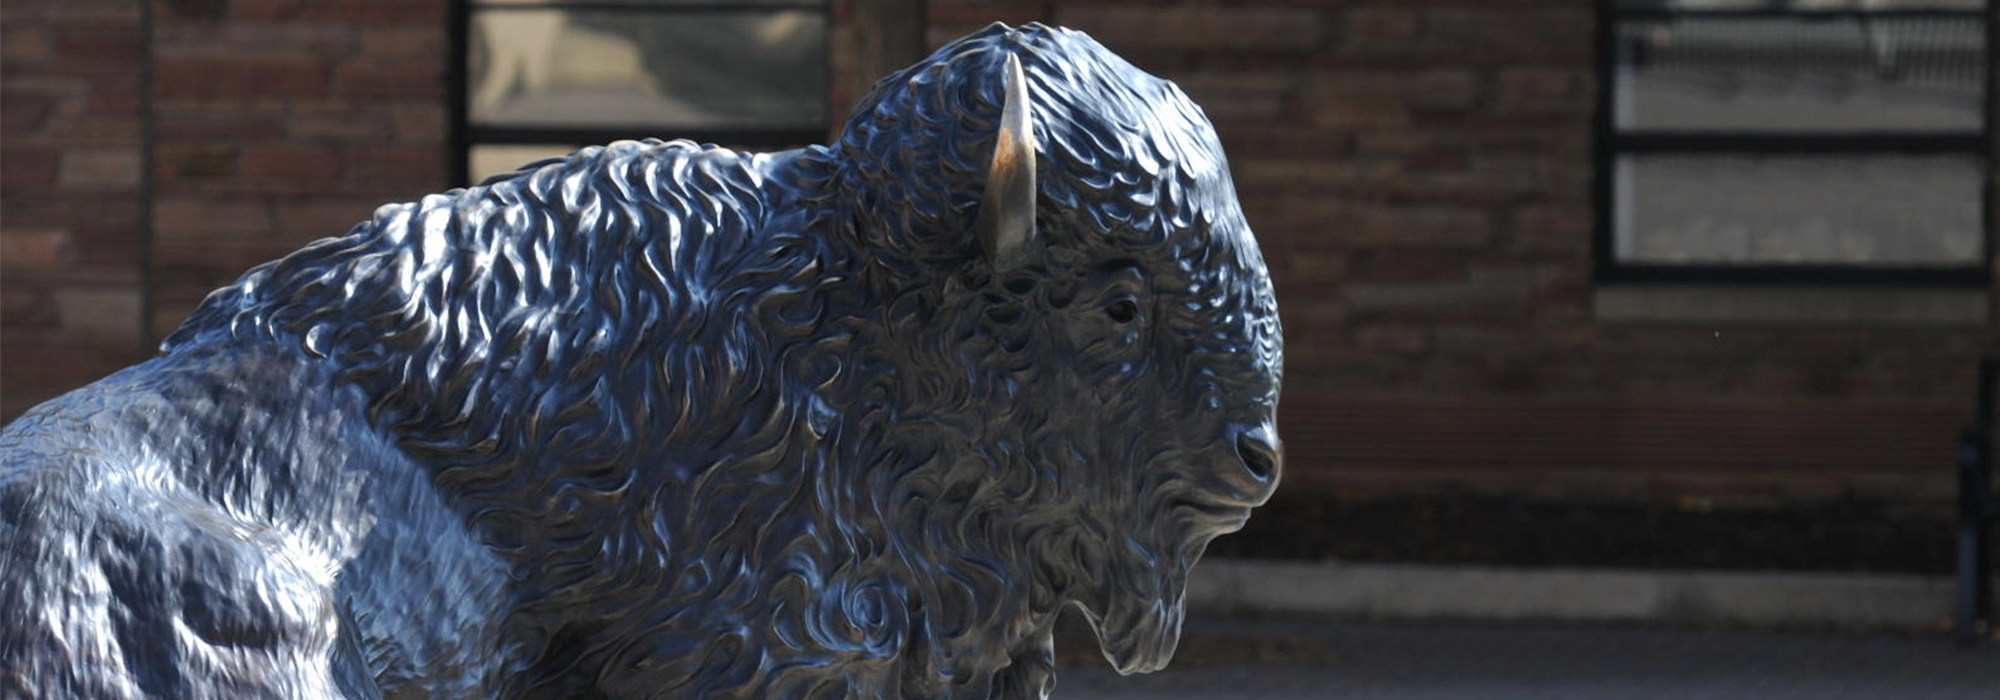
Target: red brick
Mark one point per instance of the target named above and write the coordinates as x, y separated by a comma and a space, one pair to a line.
1340, 114
99, 168
174, 162
322, 218
223, 78
230, 123
1560, 143
105, 246
62, 90
970, 16
340, 124
1500, 36
89, 130
1239, 96
255, 41
1244, 142
59, 209
183, 216
1405, 266
1317, 326
364, 12
1537, 84
372, 82
212, 262
30, 44
1394, 340
1403, 142
1382, 25
1273, 212
418, 123
88, 72
1540, 277
1552, 228
1424, 228
110, 313
1447, 89
75, 11
29, 168
174, 11
1432, 89
1311, 178
1259, 28
421, 165
21, 308
403, 42
113, 45
36, 248
290, 162
1438, 301
1490, 181
120, 98
1318, 268
261, 10
1438, 159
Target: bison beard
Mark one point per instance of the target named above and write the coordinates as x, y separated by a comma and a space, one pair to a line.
666, 420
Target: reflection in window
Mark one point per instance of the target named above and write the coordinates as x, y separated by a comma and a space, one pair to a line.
1841, 136
539, 67
1791, 74
1899, 210
747, 74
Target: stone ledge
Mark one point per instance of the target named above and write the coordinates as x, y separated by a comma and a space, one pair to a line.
1414, 592
1804, 305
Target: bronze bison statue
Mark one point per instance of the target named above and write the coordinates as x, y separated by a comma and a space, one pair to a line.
665, 420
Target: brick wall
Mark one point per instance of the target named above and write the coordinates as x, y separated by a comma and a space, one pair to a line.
70, 207
273, 122
279, 122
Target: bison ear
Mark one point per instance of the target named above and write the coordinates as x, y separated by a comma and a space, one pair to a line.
1006, 224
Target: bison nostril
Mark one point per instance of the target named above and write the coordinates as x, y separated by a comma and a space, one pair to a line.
1258, 453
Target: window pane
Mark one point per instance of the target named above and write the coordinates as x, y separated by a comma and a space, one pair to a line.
653, 69
1791, 74
487, 160
1894, 210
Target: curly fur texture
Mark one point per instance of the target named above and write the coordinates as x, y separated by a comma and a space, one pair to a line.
766, 426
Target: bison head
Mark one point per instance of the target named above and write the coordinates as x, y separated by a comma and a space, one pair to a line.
1084, 329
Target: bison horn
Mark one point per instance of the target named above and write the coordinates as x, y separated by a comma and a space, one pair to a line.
1006, 222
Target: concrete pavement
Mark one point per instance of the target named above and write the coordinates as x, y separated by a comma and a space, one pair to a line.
1298, 659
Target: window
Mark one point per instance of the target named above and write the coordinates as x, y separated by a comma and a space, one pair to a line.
541, 78
1817, 141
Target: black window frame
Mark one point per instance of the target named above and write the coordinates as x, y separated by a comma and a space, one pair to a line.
1610, 142
464, 135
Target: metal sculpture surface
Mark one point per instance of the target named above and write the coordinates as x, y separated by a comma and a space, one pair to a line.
662, 420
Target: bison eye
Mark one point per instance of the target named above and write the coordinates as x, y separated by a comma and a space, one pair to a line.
1122, 311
